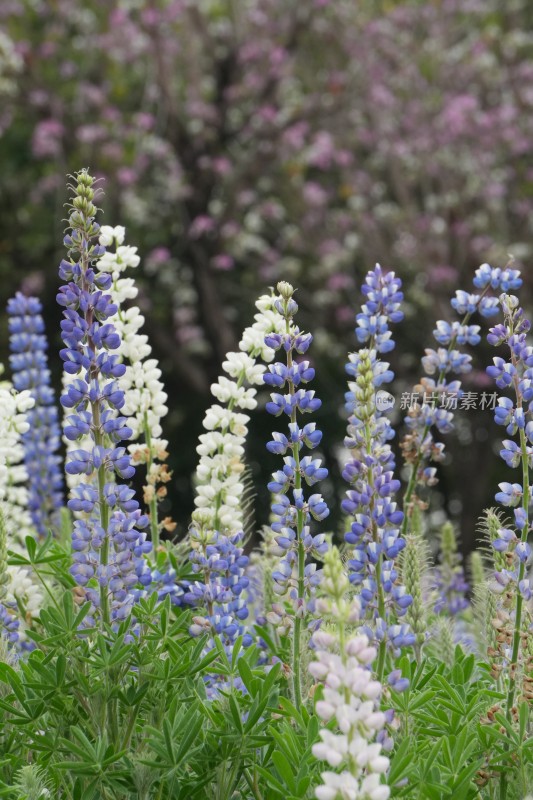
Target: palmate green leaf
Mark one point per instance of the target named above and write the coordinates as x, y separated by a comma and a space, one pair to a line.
402, 764
255, 713
272, 782
418, 700
236, 714
285, 770
247, 676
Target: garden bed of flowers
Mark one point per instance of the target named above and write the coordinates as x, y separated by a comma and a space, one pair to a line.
287, 662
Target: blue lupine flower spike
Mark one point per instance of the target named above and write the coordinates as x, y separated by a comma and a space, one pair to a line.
293, 509
108, 541
41, 442
373, 515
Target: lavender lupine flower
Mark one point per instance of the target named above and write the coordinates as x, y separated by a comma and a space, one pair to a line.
9, 623
41, 441
375, 518
516, 414
107, 541
221, 594
293, 508
350, 697
439, 395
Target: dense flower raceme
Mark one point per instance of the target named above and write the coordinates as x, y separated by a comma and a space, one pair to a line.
14, 407
438, 397
41, 441
511, 580
296, 576
216, 533
349, 704
372, 512
144, 396
219, 486
108, 541
21, 590
144, 393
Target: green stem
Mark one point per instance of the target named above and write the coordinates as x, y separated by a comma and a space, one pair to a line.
382, 651
521, 571
104, 512
152, 505
297, 644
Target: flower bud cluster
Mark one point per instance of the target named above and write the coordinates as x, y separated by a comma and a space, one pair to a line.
348, 705
450, 583
108, 541
41, 441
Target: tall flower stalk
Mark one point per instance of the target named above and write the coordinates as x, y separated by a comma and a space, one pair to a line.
292, 511
145, 398
372, 512
14, 409
350, 697
107, 541
216, 535
440, 395
219, 487
41, 441
516, 414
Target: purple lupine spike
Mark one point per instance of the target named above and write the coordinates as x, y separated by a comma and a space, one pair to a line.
293, 510
375, 518
109, 543
440, 395
41, 442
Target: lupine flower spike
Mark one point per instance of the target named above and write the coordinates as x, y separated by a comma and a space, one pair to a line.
375, 518
349, 703
219, 486
14, 408
108, 543
292, 509
516, 414
216, 534
438, 395
144, 393
41, 441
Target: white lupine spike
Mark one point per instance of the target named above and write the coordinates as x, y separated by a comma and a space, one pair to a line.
349, 707
221, 449
22, 585
13, 475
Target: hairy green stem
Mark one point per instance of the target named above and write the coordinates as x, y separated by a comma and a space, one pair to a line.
152, 505
521, 571
297, 643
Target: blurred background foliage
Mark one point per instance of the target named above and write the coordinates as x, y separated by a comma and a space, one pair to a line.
244, 141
